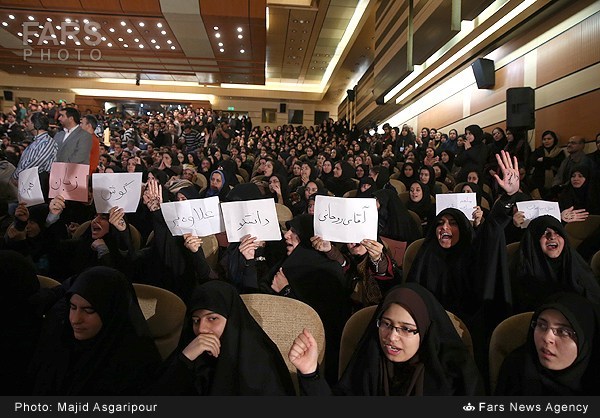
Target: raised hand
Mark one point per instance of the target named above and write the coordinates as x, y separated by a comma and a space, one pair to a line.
374, 248
153, 195
510, 173
574, 215
248, 246
57, 205
304, 353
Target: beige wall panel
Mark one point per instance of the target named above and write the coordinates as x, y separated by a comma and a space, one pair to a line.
445, 113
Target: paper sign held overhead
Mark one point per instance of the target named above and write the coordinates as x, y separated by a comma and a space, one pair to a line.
255, 217
200, 217
534, 208
340, 219
30, 189
465, 202
116, 189
70, 181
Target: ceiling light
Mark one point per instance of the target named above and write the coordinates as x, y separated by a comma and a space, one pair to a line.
62, 42
215, 27
123, 23
163, 32
31, 18
242, 51
111, 30
45, 42
222, 50
103, 38
129, 31
220, 43
159, 25
94, 29
136, 40
109, 45
30, 41
77, 43
172, 47
240, 36
217, 35
57, 27
68, 20
19, 34
169, 41
157, 46
141, 46
153, 41
86, 21
120, 39
13, 16
239, 29
142, 24
125, 46
4, 24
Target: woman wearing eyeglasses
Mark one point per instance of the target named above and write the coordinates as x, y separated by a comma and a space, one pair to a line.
561, 355
409, 348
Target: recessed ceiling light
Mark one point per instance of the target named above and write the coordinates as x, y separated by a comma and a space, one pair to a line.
94, 29
239, 29
142, 24
220, 43
13, 16
215, 27
103, 38
66, 20
129, 31
240, 36
109, 45
141, 46
172, 47
86, 21
19, 34
163, 32
217, 35
153, 41
169, 41
120, 39
31, 17
6, 24
111, 29
242, 51
159, 25
136, 40
57, 27
123, 23
125, 46
222, 50
157, 46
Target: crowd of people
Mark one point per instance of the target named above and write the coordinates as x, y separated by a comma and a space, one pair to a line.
88, 336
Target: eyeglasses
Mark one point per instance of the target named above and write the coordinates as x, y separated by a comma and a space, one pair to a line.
387, 327
561, 332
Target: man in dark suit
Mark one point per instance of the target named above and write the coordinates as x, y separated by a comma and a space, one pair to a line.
74, 143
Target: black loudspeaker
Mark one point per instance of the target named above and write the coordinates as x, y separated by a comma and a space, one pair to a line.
520, 108
485, 74
282, 107
8, 95
351, 95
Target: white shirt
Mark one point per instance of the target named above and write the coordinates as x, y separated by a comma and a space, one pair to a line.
68, 132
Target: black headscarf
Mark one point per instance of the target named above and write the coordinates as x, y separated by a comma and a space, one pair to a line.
442, 365
344, 183
522, 373
394, 220
119, 360
431, 183
534, 276
424, 208
230, 169
249, 362
408, 180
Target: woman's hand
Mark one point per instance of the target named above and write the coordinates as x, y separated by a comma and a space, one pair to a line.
22, 213
304, 353
477, 216
248, 246
519, 219
374, 249
279, 281
510, 173
574, 215
116, 217
192, 242
209, 343
153, 195
320, 244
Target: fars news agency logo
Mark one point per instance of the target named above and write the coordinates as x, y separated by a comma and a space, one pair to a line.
75, 40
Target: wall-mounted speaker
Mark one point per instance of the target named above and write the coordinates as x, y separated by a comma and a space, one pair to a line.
520, 108
351, 95
8, 95
485, 73
282, 107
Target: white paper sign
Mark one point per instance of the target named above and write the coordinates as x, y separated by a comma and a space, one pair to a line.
340, 219
200, 217
465, 202
116, 189
255, 217
534, 208
30, 189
